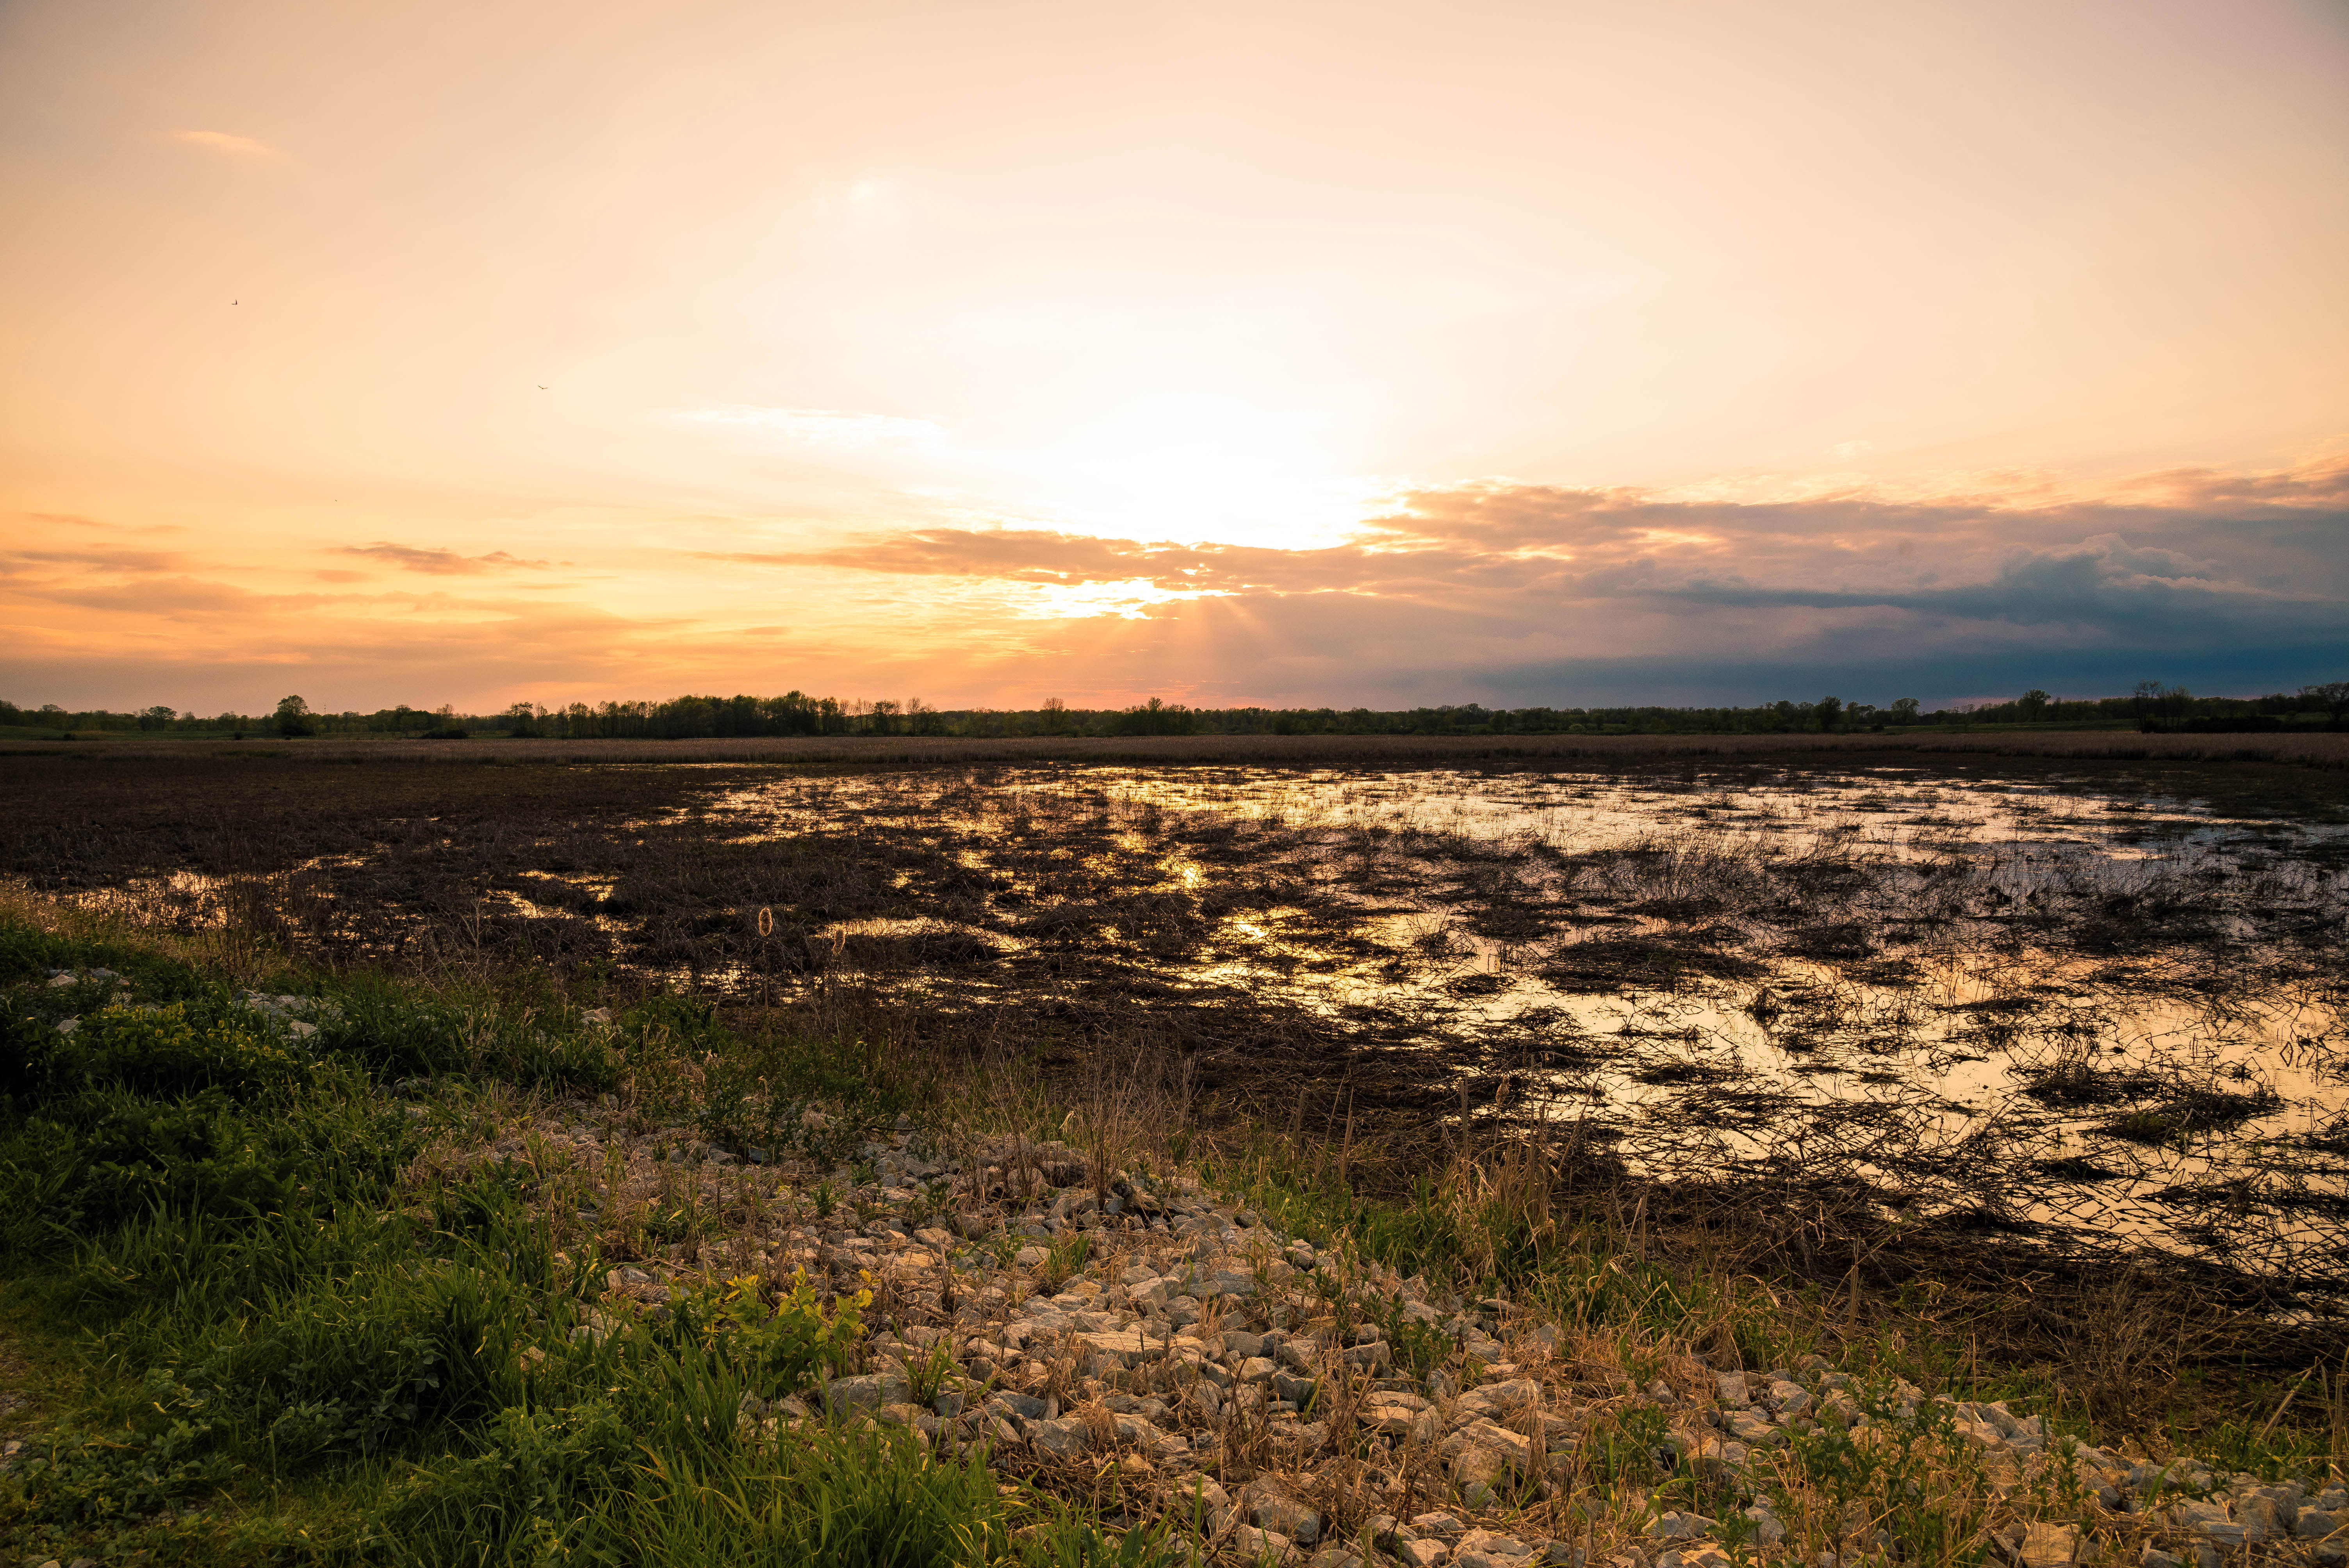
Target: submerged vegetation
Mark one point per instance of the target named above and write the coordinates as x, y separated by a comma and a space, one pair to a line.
381, 1081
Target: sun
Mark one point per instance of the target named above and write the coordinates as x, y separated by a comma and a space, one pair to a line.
1197, 466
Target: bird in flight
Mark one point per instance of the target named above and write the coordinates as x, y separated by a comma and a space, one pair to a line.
541, 388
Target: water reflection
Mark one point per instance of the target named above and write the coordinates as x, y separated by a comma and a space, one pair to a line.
2050, 1004
2047, 1006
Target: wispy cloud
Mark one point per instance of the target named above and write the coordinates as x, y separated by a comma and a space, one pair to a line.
445, 563
226, 142
825, 427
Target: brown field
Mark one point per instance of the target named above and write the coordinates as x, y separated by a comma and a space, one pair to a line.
2031, 1021
2320, 751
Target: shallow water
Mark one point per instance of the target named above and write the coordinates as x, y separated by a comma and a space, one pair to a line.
1966, 1062
2053, 1007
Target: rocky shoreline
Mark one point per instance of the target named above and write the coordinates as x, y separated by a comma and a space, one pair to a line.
1296, 1404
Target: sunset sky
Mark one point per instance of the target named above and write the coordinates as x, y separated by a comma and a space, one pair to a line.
1285, 353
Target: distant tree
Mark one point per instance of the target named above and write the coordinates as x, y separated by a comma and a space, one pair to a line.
2033, 705
156, 717
1156, 718
2145, 700
884, 719
2333, 696
1904, 710
1830, 712
293, 717
1056, 715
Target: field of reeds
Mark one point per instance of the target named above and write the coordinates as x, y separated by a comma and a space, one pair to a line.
1823, 1045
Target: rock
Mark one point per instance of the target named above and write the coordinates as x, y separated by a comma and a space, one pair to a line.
1445, 1526
1696, 1556
1203, 1502
2208, 1520
1283, 1516
1063, 1439
2152, 1558
1025, 1407
2314, 1524
1748, 1428
1253, 1543
1499, 1399
1683, 1526
1334, 1556
1481, 1474
1493, 1549
1124, 1346
2047, 1545
1423, 1553
1404, 1416
1731, 1389
843, 1395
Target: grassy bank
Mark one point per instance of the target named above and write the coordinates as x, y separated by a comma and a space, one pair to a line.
259, 1311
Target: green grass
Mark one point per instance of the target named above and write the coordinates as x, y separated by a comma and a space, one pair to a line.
272, 1348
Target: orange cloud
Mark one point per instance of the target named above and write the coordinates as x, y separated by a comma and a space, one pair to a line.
223, 142
446, 562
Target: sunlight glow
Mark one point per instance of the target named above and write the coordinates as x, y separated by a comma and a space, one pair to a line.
1195, 466
1129, 599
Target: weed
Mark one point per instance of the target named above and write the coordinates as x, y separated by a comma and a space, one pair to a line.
1064, 1260
930, 1376
1909, 1472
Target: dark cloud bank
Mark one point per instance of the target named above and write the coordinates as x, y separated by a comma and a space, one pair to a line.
1517, 594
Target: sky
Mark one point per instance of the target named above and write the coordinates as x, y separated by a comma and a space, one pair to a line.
1292, 354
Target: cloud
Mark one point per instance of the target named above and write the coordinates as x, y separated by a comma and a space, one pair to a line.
1498, 592
446, 562
223, 142
1551, 593
75, 520
819, 428
100, 558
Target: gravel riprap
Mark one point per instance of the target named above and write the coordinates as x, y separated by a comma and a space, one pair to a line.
1307, 1405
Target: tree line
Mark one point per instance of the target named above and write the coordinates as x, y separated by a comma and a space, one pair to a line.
2151, 705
